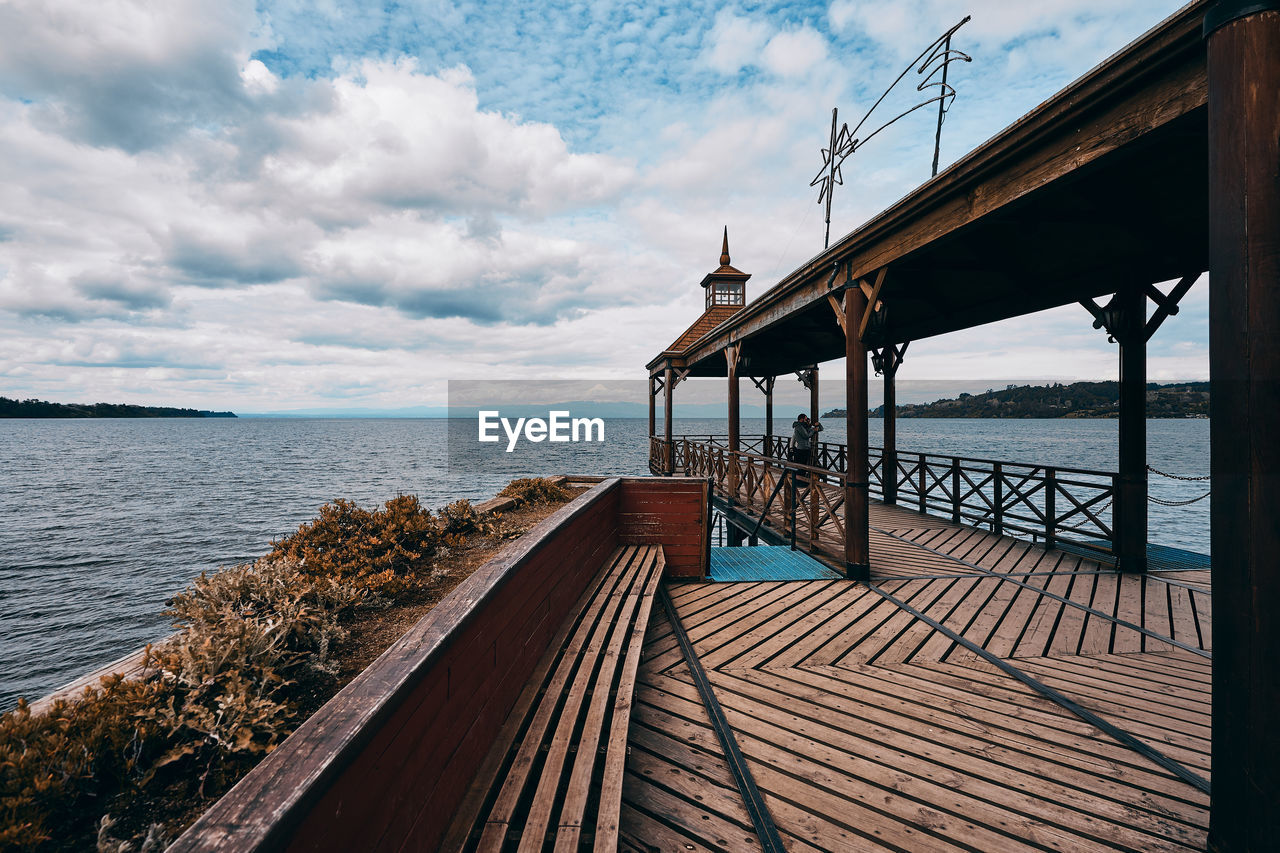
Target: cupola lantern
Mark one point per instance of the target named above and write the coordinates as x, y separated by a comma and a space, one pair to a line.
726, 286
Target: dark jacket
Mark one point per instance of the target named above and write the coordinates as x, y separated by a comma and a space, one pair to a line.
802, 434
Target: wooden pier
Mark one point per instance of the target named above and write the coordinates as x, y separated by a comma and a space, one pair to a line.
1117, 194
958, 688
979, 693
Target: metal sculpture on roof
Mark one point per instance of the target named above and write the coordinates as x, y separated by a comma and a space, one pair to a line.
934, 59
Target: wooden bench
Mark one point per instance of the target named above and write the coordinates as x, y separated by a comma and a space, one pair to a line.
387, 764
553, 779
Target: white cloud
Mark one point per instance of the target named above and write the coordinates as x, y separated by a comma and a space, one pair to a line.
128, 74
258, 79
393, 137
735, 42
792, 53
183, 220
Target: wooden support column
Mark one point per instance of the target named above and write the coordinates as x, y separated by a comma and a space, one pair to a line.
813, 394
857, 520
731, 353
1130, 518
653, 404
768, 416
1244, 364
731, 356
734, 536
889, 454
815, 457
668, 385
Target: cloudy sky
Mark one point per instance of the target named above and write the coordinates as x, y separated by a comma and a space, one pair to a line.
300, 205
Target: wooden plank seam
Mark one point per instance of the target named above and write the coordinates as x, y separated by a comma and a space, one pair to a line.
1045, 592
1190, 777
761, 819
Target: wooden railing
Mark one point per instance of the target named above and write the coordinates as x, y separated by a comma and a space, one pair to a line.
802, 501
1048, 504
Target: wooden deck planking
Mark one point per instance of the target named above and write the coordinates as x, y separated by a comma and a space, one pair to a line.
866, 727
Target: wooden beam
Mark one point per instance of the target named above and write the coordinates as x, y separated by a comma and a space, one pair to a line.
1160, 299
1093, 308
873, 300
839, 311
1167, 306
731, 353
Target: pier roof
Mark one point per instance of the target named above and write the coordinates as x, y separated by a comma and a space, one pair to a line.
1103, 184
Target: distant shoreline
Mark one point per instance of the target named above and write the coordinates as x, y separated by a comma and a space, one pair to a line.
1079, 400
40, 410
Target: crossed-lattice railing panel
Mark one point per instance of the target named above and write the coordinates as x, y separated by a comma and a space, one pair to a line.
802, 501
1045, 503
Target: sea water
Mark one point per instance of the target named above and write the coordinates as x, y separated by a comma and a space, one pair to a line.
102, 520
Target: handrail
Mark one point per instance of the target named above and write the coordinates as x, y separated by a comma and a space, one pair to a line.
1043, 502
717, 438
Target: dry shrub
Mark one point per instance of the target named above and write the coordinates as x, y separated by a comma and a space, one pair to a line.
298, 611
154, 842
206, 706
376, 550
534, 490
212, 701
57, 767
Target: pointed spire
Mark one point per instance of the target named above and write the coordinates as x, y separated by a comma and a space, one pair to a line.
724, 250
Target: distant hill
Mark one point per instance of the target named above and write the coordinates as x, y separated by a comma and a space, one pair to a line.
1077, 400
41, 409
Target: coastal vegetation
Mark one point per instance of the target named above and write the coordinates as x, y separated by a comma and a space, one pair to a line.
1077, 400
130, 762
41, 409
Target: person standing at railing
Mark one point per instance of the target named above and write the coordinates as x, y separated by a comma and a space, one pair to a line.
802, 433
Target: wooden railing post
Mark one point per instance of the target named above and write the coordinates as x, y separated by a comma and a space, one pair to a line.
786, 496
813, 509
1116, 499
955, 489
793, 509
997, 494
921, 473
1050, 507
